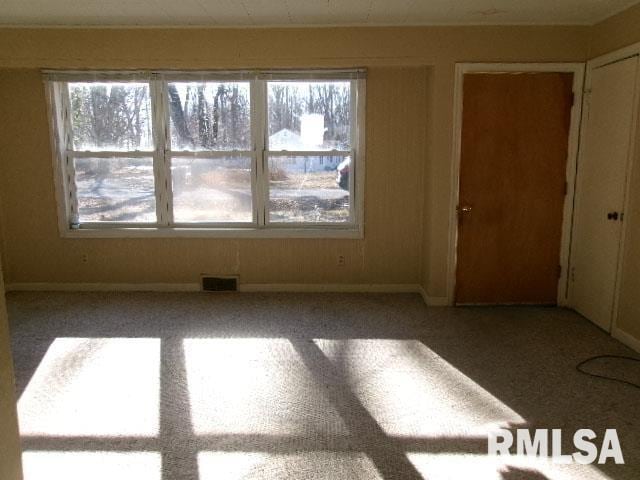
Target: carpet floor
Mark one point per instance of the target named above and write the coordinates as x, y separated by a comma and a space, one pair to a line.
188, 386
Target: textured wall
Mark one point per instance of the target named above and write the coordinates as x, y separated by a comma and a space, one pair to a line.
409, 99
615, 32
395, 162
10, 465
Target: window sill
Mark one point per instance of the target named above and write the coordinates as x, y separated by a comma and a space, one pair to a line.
167, 232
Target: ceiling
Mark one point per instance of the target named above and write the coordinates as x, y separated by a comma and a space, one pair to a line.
306, 12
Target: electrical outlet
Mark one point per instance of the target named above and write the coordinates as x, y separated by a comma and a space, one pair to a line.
341, 261
85, 258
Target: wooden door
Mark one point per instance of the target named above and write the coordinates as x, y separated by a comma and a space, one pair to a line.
601, 180
515, 130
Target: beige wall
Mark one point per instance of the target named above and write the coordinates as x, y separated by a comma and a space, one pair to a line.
395, 152
409, 118
10, 465
615, 32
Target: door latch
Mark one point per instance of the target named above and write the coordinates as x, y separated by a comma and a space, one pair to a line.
462, 210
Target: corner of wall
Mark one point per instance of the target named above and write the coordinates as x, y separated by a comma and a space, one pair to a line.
2, 239
424, 248
615, 32
10, 451
426, 174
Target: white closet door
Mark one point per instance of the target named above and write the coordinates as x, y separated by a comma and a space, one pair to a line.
602, 169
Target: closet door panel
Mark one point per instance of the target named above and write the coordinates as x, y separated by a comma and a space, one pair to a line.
600, 194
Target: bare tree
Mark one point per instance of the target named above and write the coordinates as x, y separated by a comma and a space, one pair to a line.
177, 115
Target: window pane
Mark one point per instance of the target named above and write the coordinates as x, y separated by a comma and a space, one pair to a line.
115, 189
212, 190
309, 189
210, 115
309, 115
111, 116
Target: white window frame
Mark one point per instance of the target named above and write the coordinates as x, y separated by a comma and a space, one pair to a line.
63, 154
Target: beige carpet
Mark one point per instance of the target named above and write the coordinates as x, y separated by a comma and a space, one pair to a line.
151, 386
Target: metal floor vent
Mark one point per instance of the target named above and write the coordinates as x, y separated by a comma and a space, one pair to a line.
219, 284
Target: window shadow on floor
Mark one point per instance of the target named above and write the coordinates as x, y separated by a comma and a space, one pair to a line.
372, 358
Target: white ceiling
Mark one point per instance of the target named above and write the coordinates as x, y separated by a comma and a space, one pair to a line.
306, 12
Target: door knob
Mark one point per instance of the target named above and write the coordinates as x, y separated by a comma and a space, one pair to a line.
612, 215
462, 209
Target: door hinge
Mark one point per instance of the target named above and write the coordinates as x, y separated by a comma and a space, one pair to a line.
566, 188
559, 271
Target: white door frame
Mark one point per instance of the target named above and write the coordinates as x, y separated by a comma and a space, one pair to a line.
578, 78
634, 149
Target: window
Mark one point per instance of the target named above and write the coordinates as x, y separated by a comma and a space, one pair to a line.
306, 121
209, 153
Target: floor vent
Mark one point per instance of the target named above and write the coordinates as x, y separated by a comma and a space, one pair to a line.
219, 284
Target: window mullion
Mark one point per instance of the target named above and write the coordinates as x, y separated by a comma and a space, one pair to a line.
109, 154
164, 132
69, 167
358, 95
210, 153
353, 120
160, 159
259, 125
309, 153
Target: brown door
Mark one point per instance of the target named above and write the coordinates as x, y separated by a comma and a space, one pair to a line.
515, 130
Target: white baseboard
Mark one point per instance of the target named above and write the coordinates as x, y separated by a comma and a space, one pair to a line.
243, 287
330, 287
193, 287
437, 301
432, 301
629, 340
102, 287
429, 300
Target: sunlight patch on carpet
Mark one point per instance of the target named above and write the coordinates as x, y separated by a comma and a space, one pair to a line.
486, 467
412, 392
39, 465
254, 386
254, 465
99, 387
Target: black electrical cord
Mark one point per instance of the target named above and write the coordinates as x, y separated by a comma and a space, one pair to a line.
613, 379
